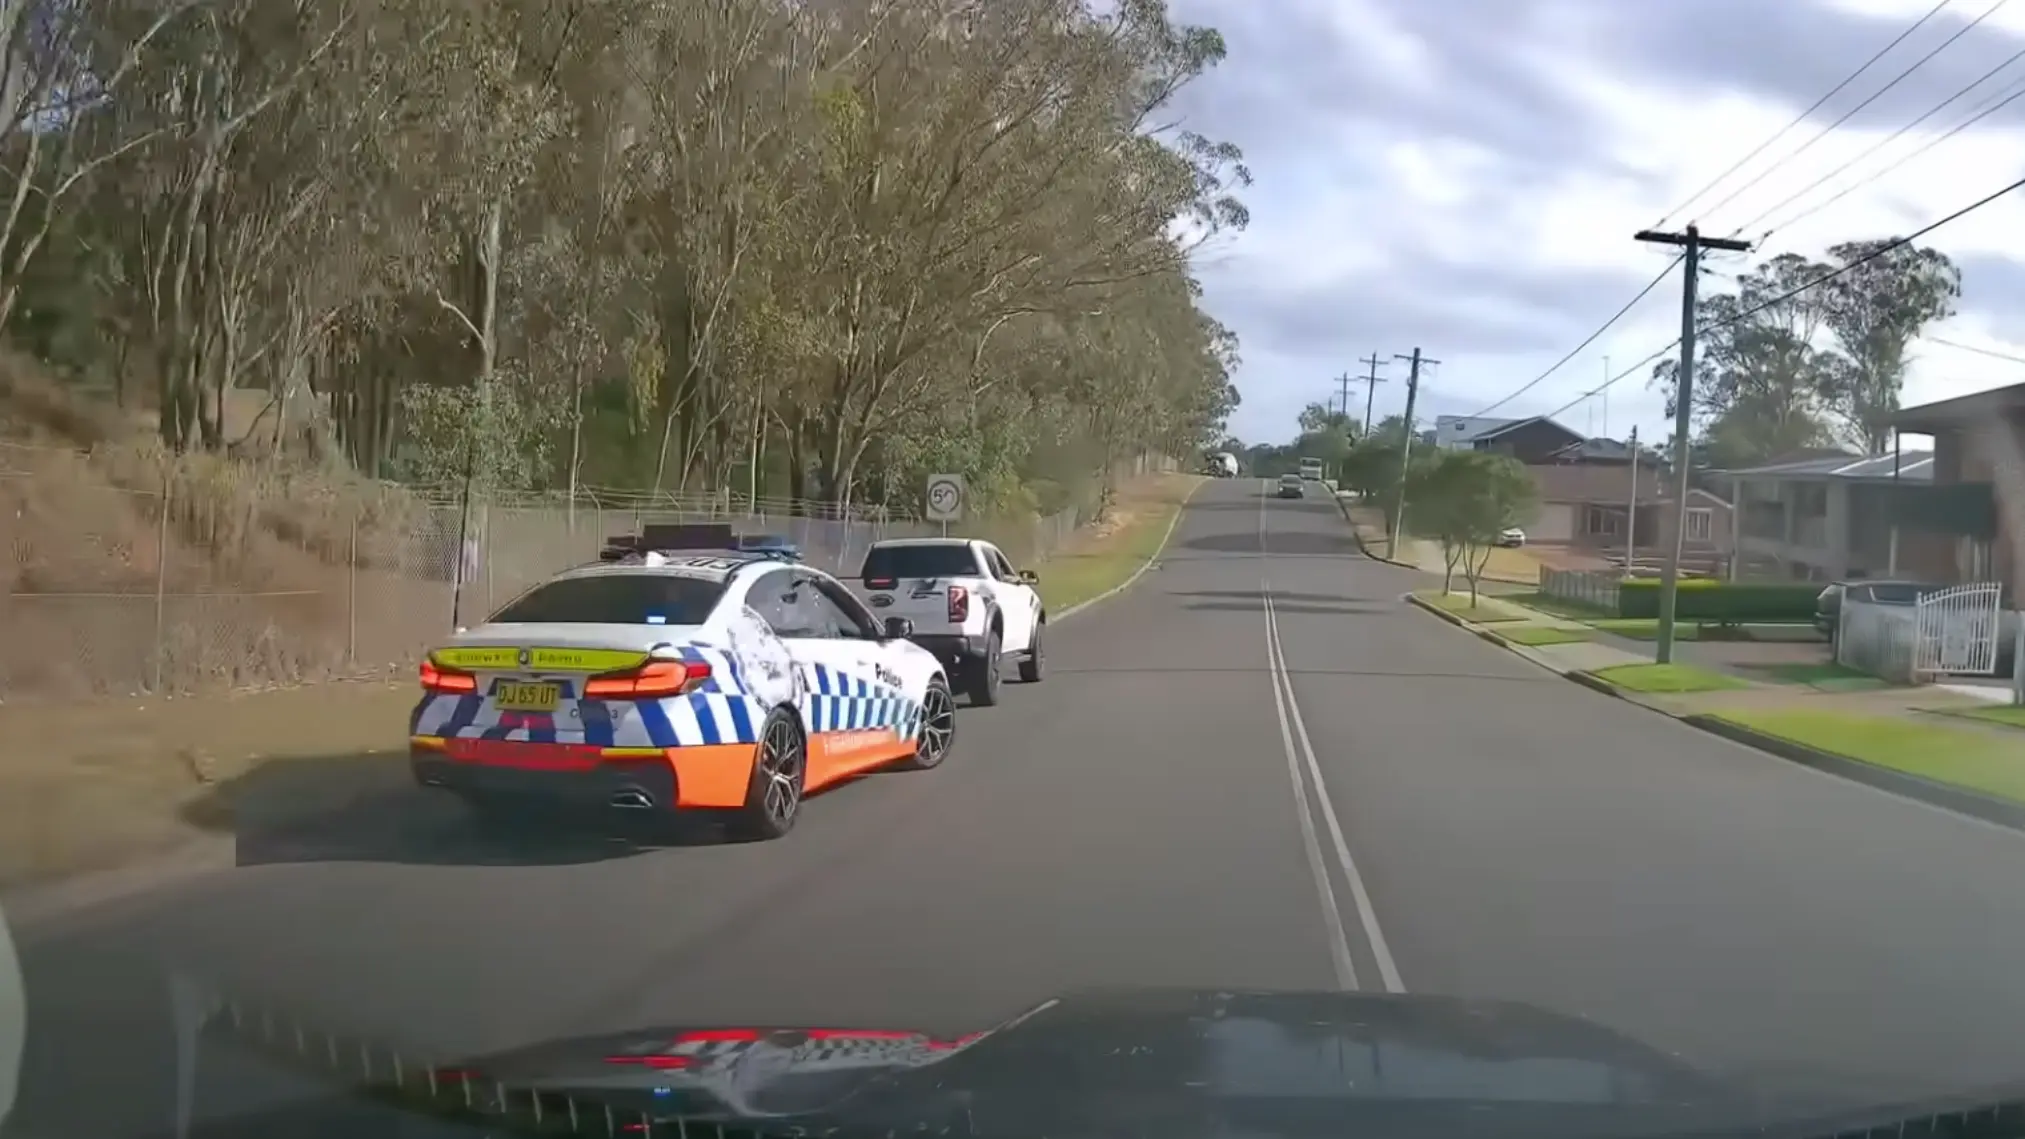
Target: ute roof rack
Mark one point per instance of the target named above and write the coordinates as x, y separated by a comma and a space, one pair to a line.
714, 538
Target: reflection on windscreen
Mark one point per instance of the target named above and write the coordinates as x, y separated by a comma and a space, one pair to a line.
616, 599
919, 561
1262, 1058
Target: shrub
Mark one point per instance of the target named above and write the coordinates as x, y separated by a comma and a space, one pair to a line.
1723, 602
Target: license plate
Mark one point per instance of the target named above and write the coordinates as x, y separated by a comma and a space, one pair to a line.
513, 697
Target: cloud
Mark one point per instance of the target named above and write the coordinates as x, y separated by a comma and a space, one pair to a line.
1467, 176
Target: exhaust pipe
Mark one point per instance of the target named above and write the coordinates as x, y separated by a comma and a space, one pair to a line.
632, 799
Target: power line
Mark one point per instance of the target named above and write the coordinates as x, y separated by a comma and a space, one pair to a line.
1591, 339
1851, 112
1894, 137
1990, 352
1889, 247
1782, 132
1893, 245
1990, 106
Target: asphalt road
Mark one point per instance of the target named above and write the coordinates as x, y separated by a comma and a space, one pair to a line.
1257, 768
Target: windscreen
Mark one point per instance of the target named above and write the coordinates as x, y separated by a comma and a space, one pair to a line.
617, 599
919, 561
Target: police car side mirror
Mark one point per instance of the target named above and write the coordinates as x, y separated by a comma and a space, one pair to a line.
1029, 577
899, 628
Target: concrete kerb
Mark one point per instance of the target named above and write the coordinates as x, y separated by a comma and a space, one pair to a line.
1974, 804
1961, 801
1357, 536
1172, 524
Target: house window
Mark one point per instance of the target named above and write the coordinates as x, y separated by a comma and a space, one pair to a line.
1699, 525
1603, 521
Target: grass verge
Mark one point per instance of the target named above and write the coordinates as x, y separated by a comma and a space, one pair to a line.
1108, 554
1666, 679
1964, 757
1458, 605
1538, 636
2003, 715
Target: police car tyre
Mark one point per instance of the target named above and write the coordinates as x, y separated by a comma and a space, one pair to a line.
773, 799
986, 671
938, 727
1033, 663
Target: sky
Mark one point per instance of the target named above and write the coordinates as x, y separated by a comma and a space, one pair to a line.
1465, 177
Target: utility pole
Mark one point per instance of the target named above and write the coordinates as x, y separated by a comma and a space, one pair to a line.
1371, 382
1343, 389
1691, 243
1405, 450
1631, 509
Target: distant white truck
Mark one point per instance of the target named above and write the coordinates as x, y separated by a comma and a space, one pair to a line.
1311, 470
1223, 465
966, 603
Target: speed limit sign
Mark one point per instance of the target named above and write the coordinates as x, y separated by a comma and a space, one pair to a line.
945, 498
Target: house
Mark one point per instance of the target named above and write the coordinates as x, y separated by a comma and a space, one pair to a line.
1823, 518
1585, 489
1961, 524
1591, 506
1533, 440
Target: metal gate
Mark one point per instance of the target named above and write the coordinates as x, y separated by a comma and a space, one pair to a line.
1957, 630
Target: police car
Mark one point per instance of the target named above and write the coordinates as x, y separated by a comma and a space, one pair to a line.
688, 669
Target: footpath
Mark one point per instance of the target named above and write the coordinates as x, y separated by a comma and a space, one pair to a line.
1956, 746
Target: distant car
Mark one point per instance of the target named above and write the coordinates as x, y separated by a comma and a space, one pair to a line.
688, 672
1292, 486
1511, 537
1311, 470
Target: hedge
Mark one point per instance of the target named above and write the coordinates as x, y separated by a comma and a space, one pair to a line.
1706, 599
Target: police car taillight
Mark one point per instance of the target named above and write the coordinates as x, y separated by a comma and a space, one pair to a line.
451, 681
959, 604
655, 678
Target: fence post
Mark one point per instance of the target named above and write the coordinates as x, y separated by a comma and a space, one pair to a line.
163, 505
352, 598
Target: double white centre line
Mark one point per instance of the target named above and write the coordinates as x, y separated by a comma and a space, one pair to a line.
1311, 793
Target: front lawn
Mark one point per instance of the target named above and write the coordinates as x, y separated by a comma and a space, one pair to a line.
1964, 757
1666, 679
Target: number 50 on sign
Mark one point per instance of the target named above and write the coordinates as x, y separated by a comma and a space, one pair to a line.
945, 498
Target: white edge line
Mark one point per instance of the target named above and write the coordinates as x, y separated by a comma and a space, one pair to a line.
1078, 607
1332, 913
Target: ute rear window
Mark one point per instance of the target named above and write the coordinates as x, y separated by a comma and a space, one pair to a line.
616, 599
919, 561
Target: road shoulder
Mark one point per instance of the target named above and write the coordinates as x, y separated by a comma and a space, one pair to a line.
1918, 743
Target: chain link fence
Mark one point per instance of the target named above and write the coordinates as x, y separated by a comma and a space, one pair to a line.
171, 584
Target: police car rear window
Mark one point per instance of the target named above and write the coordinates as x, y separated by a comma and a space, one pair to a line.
919, 561
617, 599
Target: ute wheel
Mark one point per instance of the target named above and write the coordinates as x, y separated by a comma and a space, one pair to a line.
773, 799
985, 673
1034, 663
937, 733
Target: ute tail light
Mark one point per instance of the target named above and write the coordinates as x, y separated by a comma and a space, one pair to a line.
881, 582
451, 681
655, 678
959, 604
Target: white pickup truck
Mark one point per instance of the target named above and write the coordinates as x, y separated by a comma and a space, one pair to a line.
967, 603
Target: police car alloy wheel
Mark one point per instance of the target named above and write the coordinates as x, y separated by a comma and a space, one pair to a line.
773, 800
938, 727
